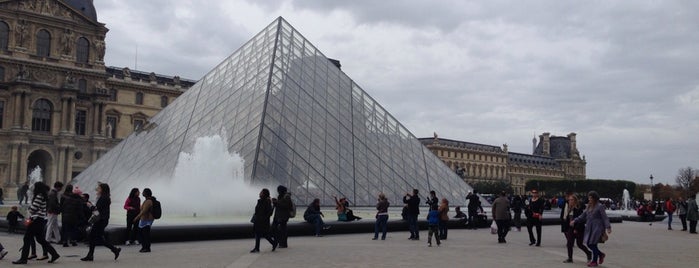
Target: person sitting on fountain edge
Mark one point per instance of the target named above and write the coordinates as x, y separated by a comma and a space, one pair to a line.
314, 215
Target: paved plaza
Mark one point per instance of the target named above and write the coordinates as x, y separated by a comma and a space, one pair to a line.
631, 244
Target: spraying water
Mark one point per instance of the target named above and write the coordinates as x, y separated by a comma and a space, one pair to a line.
626, 201
206, 182
34, 176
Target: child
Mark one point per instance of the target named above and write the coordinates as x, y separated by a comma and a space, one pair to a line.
432, 225
12, 218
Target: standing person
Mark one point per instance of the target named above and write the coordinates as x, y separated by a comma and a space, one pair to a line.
315, 216
132, 205
596, 221
35, 230
53, 208
260, 221
12, 218
2, 196
433, 201
443, 218
534, 212
571, 210
692, 214
381, 217
282, 212
145, 220
682, 212
669, 209
413, 210
474, 204
516, 205
501, 216
22, 193
97, 234
432, 225
71, 214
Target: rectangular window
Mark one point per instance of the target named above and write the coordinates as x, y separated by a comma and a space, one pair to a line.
137, 124
80, 122
2, 112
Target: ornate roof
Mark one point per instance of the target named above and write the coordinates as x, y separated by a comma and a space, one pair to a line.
85, 7
462, 144
559, 148
531, 160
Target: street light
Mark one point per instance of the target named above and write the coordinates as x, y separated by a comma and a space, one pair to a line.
651, 187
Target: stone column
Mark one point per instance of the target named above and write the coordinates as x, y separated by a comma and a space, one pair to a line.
69, 164
27, 114
13, 173
71, 118
95, 113
22, 159
64, 115
17, 107
60, 162
100, 119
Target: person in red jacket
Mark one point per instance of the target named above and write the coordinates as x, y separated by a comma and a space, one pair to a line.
669, 209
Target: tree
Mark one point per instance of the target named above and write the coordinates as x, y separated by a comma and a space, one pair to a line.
686, 177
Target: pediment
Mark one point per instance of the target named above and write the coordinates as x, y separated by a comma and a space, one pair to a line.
53, 8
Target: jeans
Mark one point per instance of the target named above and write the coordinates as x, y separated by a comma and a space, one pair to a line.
595, 251
412, 226
693, 227
432, 229
669, 220
381, 225
443, 229
531, 222
503, 229
683, 219
131, 228
98, 236
316, 220
53, 232
144, 235
36, 231
518, 219
280, 232
576, 238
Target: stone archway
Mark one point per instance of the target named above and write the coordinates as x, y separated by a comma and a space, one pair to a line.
42, 159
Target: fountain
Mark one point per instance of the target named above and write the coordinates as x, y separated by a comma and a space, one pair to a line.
626, 201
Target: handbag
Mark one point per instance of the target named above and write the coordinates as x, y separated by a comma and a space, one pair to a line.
94, 218
27, 222
604, 237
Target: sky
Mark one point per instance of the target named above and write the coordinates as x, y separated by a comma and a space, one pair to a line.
623, 75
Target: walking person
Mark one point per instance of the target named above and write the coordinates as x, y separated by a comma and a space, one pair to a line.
596, 222
71, 216
517, 205
260, 221
145, 220
22, 193
571, 210
534, 212
53, 208
682, 212
692, 214
443, 218
282, 212
97, 234
381, 217
413, 210
432, 226
669, 209
35, 229
315, 216
501, 216
132, 205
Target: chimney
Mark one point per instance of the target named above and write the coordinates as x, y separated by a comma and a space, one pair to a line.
573, 145
546, 141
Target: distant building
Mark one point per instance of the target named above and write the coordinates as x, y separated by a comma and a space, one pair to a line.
552, 158
60, 107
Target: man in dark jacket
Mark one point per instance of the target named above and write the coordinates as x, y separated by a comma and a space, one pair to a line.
501, 216
22, 193
474, 203
282, 210
71, 216
53, 208
413, 202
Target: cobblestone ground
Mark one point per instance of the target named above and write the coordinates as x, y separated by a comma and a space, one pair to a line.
631, 244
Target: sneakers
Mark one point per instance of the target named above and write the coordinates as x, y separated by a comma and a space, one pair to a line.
568, 261
429, 244
592, 264
601, 257
326, 227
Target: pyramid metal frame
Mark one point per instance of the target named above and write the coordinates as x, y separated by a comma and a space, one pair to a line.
296, 119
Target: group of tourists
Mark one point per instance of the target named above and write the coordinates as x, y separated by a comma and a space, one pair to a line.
80, 220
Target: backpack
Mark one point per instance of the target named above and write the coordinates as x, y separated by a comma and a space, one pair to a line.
156, 210
292, 210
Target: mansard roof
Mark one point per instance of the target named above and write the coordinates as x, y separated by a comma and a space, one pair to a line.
118, 72
559, 147
462, 144
531, 160
86, 7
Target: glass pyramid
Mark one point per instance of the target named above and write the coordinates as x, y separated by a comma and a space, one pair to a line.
296, 119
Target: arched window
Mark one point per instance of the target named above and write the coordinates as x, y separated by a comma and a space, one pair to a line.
139, 98
82, 86
4, 35
43, 43
163, 101
83, 50
41, 116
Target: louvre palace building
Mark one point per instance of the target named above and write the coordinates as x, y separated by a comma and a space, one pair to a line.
552, 158
61, 107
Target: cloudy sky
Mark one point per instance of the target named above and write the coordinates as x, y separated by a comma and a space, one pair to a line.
623, 75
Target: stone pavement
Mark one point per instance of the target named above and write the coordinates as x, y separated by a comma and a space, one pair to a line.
631, 244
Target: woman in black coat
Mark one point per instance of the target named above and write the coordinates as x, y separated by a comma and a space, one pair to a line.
570, 211
260, 220
71, 216
97, 232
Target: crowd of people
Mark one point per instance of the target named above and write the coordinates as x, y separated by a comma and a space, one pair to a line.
81, 220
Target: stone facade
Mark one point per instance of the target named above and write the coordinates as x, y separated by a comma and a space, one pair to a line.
61, 108
552, 158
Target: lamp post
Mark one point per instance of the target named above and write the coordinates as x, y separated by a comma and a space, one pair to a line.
651, 187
